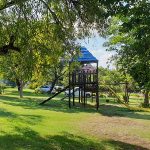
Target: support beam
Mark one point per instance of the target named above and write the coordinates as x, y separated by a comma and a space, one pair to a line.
54, 95
97, 90
84, 80
79, 94
69, 87
73, 96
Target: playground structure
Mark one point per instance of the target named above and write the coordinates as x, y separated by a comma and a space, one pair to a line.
85, 76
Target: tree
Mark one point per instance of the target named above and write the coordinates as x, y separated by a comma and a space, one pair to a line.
42, 32
16, 67
118, 81
71, 18
129, 37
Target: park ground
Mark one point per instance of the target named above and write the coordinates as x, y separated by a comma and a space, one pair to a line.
24, 124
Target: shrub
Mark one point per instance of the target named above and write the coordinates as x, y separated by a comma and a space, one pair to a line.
2, 87
107, 100
144, 105
102, 96
33, 85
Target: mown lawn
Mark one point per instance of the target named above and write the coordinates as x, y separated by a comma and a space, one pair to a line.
24, 124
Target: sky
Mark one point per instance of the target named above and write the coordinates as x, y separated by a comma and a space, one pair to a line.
95, 46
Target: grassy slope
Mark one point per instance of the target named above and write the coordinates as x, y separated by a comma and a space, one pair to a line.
26, 125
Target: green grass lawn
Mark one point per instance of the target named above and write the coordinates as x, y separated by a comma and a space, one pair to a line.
24, 124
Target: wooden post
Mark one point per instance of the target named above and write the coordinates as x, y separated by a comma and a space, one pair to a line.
69, 87
82, 95
79, 85
92, 96
84, 80
97, 89
73, 95
79, 94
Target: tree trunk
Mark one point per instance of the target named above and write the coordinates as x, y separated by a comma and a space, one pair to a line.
20, 87
146, 98
55, 80
21, 90
126, 96
53, 84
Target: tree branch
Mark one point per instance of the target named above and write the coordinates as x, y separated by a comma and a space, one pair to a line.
5, 49
52, 13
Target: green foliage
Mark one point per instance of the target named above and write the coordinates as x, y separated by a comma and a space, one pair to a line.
141, 74
2, 87
129, 37
144, 105
102, 95
115, 79
2, 3
45, 32
33, 85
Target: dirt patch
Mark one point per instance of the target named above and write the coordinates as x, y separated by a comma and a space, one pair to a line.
119, 129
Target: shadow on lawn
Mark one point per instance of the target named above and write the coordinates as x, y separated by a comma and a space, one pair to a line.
62, 106
29, 119
55, 105
112, 110
5, 113
29, 139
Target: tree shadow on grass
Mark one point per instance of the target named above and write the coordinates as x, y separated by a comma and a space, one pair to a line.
29, 139
62, 106
29, 119
54, 105
5, 113
16, 101
118, 111
118, 145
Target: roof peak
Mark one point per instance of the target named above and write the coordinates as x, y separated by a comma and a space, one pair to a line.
86, 56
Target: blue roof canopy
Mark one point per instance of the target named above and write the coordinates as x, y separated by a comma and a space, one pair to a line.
86, 56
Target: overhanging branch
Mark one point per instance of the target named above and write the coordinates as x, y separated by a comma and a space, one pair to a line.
52, 13
5, 49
